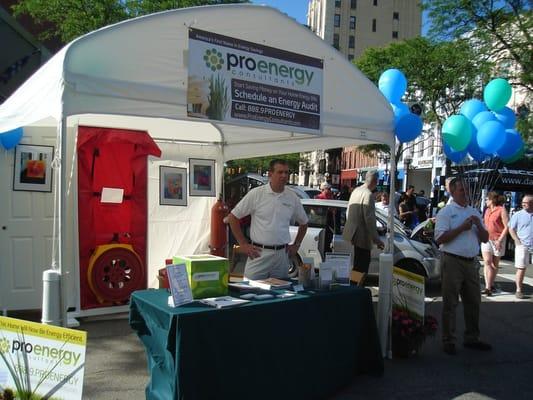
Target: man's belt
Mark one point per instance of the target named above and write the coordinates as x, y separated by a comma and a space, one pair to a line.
270, 247
459, 257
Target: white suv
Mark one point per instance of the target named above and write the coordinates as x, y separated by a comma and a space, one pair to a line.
324, 234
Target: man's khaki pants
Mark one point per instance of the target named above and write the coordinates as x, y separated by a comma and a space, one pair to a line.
460, 277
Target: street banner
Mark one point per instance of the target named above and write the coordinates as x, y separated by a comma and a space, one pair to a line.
408, 291
41, 361
247, 83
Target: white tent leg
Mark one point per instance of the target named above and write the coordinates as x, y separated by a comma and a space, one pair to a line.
384, 301
63, 201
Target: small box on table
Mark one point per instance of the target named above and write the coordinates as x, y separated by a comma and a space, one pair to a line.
208, 274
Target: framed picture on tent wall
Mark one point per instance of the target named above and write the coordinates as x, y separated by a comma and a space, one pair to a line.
202, 177
172, 186
33, 168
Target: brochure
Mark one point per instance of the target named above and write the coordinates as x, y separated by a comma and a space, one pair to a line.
179, 285
270, 283
342, 267
224, 301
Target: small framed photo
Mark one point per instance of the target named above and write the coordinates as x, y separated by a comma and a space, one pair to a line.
33, 168
172, 186
202, 177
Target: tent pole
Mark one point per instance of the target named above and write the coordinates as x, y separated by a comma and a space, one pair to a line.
62, 217
385, 271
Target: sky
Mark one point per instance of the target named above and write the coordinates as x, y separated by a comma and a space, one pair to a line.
293, 8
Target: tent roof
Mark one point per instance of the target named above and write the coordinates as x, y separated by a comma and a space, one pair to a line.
134, 74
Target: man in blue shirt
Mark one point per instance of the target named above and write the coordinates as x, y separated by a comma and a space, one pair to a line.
521, 230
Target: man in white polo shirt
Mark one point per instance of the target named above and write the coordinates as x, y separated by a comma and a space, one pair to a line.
521, 230
458, 231
272, 207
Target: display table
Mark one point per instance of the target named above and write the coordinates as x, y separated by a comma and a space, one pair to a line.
304, 347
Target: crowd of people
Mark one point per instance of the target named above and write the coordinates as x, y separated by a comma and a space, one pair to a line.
461, 232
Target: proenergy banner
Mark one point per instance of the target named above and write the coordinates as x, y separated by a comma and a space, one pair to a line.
408, 291
243, 82
43, 360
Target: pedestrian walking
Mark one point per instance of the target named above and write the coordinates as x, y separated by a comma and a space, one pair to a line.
521, 230
360, 228
496, 221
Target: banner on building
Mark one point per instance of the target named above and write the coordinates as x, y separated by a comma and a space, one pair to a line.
43, 360
247, 83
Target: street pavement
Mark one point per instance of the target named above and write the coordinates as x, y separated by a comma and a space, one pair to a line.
116, 364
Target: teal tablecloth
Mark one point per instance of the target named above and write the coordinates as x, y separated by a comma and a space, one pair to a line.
305, 347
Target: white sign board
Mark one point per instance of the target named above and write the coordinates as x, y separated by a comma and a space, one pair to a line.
408, 291
31, 352
248, 83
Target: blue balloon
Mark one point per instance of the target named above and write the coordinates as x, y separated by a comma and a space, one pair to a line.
399, 109
491, 136
11, 138
408, 128
473, 149
506, 116
472, 107
392, 84
482, 117
513, 143
455, 156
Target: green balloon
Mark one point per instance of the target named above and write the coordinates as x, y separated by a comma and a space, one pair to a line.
519, 154
497, 94
457, 132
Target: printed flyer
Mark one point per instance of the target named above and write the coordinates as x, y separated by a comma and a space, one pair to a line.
40, 361
243, 82
408, 291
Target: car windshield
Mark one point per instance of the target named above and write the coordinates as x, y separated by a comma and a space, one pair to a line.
321, 216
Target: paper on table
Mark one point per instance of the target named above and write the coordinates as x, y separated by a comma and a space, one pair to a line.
179, 284
325, 274
342, 266
112, 195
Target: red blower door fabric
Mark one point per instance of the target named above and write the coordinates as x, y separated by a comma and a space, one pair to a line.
112, 158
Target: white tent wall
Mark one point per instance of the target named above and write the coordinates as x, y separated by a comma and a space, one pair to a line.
174, 230
134, 75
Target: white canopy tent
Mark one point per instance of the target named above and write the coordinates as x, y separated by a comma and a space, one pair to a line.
134, 75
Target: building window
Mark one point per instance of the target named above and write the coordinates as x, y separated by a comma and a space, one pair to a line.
376, 3
352, 22
353, 4
351, 42
396, 15
350, 57
337, 3
395, 34
336, 40
374, 25
337, 20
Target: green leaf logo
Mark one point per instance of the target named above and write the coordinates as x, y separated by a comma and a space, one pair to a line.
213, 59
4, 345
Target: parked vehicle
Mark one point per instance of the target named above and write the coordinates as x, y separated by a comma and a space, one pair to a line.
326, 223
237, 187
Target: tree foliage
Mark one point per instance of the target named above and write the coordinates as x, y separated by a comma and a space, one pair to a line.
440, 75
262, 163
501, 31
69, 19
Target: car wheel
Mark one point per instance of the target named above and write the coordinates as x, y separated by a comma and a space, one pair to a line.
412, 266
294, 262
